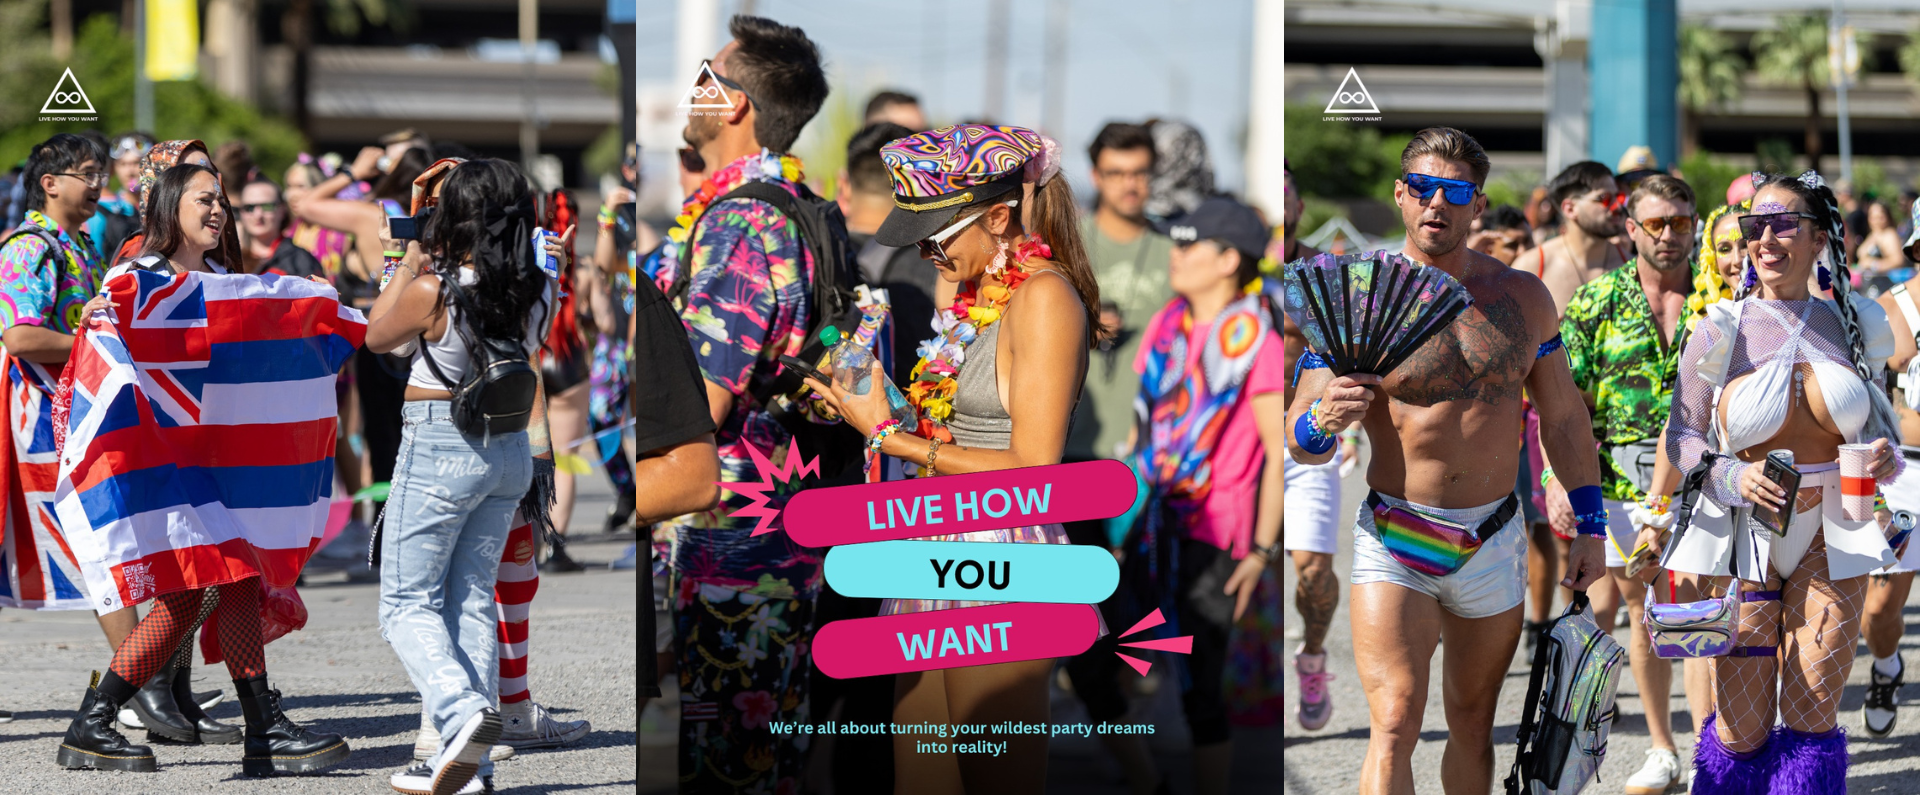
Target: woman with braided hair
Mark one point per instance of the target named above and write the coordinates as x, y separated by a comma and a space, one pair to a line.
1782, 368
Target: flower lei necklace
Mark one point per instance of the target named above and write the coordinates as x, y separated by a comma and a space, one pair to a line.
934, 380
763, 166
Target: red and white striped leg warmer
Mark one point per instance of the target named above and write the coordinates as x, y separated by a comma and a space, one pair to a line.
518, 580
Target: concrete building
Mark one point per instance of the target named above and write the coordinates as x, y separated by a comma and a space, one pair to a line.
1485, 66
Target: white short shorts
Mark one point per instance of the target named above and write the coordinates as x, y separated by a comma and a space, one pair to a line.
1311, 520
1493, 582
1904, 495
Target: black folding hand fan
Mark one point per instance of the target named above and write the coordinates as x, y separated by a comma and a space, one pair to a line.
1366, 313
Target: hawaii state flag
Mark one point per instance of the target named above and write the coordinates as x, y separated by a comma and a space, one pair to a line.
200, 438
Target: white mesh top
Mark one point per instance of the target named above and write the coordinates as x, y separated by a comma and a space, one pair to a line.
1770, 339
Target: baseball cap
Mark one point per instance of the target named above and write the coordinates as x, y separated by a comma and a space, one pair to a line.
938, 173
1223, 219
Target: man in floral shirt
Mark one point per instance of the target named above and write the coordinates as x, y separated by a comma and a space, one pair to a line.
48, 269
1623, 335
743, 605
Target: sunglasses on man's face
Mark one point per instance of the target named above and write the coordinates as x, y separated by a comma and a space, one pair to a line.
706, 68
1680, 224
691, 160
264, 207
1459, 191
1784, 225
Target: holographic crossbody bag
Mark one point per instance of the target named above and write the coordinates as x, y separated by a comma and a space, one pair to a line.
1707, 628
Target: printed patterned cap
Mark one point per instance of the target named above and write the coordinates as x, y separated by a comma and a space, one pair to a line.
422, 183
938, 173
160, 157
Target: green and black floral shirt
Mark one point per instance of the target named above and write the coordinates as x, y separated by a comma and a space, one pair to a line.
1619, 360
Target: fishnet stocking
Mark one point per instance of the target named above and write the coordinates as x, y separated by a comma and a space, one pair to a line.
1814, 626
160, 637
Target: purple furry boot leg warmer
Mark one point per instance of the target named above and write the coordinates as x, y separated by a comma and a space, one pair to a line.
1719, 771
1810, 764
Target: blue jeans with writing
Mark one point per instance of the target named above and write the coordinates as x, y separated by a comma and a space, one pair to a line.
445, 524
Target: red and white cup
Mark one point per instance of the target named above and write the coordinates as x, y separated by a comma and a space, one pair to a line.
1856, 481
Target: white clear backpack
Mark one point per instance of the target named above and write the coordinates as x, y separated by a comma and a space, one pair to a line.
1569, 708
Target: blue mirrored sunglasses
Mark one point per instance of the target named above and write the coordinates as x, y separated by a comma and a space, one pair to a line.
1459, 191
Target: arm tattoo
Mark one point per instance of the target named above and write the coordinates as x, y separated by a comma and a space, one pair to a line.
1484, 356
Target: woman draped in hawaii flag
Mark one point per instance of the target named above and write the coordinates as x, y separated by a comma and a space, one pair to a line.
196, 468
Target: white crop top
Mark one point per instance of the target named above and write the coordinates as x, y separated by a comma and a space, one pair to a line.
450, 351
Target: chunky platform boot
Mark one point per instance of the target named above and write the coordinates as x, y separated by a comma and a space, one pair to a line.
209, 730
274, 743
92, 742
159, 714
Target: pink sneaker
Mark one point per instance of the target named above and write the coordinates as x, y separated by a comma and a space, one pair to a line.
1315, 708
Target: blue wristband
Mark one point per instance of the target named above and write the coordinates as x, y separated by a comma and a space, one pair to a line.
1307, 432
1591, 511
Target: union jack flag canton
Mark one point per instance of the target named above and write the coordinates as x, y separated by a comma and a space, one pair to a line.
200, 438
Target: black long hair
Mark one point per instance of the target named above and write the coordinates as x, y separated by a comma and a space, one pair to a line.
485, 218
398, 183
162, 222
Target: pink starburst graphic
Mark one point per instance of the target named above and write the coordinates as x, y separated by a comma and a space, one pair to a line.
760, 492
1179, 645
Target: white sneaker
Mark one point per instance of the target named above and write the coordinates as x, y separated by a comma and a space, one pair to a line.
427, 743
418, 780
1660, 772
459, 763
526, 724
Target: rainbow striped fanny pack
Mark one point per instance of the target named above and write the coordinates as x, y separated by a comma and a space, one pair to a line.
1430, 545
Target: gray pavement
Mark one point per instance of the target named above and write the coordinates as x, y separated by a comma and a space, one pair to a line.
338, 675
1328, 761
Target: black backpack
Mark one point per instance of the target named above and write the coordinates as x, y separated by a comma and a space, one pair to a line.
496, 394
823, 230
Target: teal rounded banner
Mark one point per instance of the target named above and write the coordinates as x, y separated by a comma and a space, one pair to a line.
976, 571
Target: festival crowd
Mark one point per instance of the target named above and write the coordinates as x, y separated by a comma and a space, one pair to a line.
477, 370
1636, 354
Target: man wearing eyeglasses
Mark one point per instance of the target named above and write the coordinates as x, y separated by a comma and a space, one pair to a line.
1591, 205
48, 270
1624, 336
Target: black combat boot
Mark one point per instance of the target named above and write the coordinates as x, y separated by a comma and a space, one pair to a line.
274, 743
210, 731
92, 741
158, 712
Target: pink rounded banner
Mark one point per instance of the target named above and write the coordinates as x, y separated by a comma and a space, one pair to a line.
967, 636
959, 503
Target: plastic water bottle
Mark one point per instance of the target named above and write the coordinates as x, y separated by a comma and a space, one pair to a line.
853, 371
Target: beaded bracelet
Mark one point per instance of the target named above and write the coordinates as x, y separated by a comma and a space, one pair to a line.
880, 434
606, 216
1658, 505
1308, 432
1592, 523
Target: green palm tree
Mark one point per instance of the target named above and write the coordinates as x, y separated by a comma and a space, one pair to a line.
1794, 53
1709, 77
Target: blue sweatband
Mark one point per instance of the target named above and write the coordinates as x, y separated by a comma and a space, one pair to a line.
1549, 347
1591, 511
1307, 432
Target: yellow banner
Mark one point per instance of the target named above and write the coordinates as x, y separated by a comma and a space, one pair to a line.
173, 39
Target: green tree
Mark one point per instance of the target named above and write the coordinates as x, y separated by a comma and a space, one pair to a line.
1793, 53
1910, 58
103, 63
1709, 77
1341, 159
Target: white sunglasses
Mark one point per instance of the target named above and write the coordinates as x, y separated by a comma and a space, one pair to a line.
939, 239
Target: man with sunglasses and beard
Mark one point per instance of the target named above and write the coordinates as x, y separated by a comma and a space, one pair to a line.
1444, 448
742, 276
1591, 212
1623, 339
